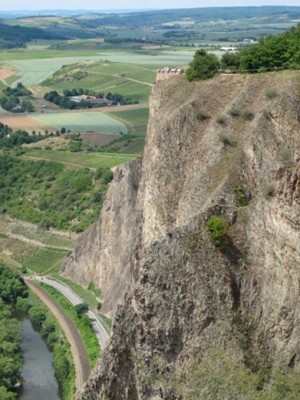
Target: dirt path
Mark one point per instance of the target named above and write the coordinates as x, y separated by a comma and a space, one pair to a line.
80, 357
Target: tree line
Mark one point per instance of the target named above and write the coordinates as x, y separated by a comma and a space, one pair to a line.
12, 288
15, 36
271, 53
65, 100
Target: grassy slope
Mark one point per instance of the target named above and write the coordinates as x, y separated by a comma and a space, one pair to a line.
92, 160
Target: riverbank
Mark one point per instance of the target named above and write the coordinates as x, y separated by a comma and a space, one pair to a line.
80, 358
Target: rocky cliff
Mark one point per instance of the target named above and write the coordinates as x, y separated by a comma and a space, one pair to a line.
226, 147
105, 253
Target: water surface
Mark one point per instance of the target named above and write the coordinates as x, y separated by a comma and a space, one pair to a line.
37, 373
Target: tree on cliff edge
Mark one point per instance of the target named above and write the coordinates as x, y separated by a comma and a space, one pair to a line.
203, 66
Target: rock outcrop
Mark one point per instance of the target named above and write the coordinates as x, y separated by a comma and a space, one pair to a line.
105, 253
227, 147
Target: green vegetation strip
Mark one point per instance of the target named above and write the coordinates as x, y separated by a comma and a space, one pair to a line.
92, 160
88, 296
44, 236
82, 323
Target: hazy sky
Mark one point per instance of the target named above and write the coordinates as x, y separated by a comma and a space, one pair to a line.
131, 4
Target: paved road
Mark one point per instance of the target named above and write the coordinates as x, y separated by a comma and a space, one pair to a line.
78, 350
74, 299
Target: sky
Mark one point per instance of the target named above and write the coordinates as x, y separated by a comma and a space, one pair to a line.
132, 4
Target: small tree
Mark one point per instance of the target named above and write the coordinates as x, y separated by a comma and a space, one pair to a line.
230, 60
81, 309
203, 66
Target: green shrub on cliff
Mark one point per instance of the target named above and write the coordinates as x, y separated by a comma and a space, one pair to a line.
218, 227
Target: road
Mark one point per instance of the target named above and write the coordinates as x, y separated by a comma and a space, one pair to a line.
74, 299
79, 354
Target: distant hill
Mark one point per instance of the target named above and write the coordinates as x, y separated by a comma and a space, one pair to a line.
164, 26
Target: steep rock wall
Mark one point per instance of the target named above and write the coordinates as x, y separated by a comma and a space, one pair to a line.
223, 147
105, 252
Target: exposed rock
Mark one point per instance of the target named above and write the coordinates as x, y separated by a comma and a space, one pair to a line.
105, 252
186, 295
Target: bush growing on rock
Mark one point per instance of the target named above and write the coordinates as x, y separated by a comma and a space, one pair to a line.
218, 227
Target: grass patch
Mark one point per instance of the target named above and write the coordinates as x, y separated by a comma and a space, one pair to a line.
202, 116
268, 190
227, 140
222, 120
285, 156
271, 94
106, 322
88, 296
234, 112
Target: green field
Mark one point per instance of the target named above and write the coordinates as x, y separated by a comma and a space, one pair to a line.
33, 67
81, 122
91, 160
135, 120
44, 236
34, 71
38, 259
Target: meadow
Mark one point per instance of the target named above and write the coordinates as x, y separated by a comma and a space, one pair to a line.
91, 160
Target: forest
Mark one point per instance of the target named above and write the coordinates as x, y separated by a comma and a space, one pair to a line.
12, 287
18, 36
45, 193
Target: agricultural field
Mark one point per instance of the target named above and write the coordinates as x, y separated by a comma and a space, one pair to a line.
34, 258
135, 120
34, 71
26, 122
81, 122
26, 245
43, 64
46, 237
91, 160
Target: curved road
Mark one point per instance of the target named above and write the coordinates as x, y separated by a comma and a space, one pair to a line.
80, 357
74, 299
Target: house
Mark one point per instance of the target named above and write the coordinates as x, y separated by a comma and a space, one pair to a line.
17, 109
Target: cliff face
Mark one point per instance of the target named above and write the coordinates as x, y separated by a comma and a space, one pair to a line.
105, 253
227, 147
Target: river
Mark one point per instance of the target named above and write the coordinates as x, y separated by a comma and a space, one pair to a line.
37, 373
